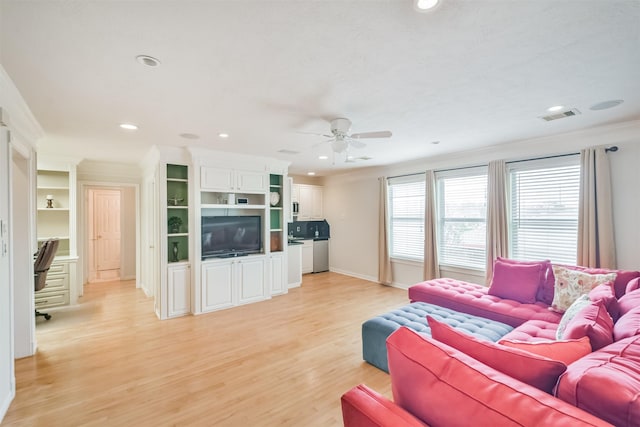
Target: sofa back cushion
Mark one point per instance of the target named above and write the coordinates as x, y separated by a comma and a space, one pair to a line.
606, 383
628, 325
527, 367
518, 282
444, 387
593, 321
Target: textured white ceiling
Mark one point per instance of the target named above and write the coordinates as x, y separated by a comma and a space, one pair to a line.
470, 74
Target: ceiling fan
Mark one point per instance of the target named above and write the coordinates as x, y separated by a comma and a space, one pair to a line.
341, 140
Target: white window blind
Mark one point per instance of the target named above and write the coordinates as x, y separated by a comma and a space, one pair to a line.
544, 209
462, 217
406, 214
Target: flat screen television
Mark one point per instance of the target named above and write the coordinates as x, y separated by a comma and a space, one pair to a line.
227, 236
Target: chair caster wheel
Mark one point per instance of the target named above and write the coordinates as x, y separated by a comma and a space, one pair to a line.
47, 316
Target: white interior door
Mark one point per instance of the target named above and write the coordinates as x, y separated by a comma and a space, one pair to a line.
106, 235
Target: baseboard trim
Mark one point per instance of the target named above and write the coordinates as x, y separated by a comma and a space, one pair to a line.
352, 274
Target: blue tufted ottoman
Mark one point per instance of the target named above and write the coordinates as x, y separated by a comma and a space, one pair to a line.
414, 316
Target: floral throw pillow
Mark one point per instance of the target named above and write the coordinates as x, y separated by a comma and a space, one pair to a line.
571, 312
571, 284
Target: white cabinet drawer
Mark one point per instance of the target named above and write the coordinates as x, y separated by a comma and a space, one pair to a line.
51, 299
59, 268
56, 283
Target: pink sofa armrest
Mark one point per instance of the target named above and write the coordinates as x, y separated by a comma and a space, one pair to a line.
363, 407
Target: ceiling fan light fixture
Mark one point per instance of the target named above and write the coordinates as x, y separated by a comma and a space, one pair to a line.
339, 145
425, 5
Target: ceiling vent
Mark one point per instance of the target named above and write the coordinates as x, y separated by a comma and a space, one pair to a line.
286, 151
561, 115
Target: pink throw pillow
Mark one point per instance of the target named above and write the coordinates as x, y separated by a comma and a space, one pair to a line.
629, 301
567, 351
527, 367
628, 325
546, 283
593, 321
518, 282
606, 294
632, 285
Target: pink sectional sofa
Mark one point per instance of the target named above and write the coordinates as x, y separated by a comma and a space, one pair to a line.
601, 386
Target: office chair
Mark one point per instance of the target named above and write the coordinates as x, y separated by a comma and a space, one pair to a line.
44, 258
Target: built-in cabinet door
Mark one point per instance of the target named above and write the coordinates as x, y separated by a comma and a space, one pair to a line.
295, 191
310, 202
294, 265
251, 279
217, 285
316, 203
217, 179
305, 201
307, 257
278, 284
252, 181
221, 179
179, 290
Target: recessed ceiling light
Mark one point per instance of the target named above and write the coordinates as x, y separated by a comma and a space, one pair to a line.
606, 104
147, 60
128, 126
435, 142
311, 173
189, 136
555, 108
323, 157
223, 135
425, 5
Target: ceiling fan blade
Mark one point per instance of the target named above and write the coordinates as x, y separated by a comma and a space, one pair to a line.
357, 144
379, 134
316, 134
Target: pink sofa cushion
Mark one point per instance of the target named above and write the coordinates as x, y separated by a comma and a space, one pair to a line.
565, 351
473, 299
364, 407
534, 331
518, 282
606, 383
628, 325
444, 387
532, 369
594, 322
623, 277
629, 301
546, 281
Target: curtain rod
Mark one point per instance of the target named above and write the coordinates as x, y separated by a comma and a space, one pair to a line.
612, 149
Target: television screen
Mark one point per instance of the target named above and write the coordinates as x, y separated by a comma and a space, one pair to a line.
224, 236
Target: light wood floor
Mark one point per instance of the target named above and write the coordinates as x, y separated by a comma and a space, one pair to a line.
284, 362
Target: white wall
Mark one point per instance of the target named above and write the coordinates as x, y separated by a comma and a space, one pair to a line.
25, 129
21, 203
351, 200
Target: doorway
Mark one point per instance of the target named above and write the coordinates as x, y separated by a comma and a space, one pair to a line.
104, 234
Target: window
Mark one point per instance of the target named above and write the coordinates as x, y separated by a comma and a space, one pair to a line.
462, 217
544, 209
406, 216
